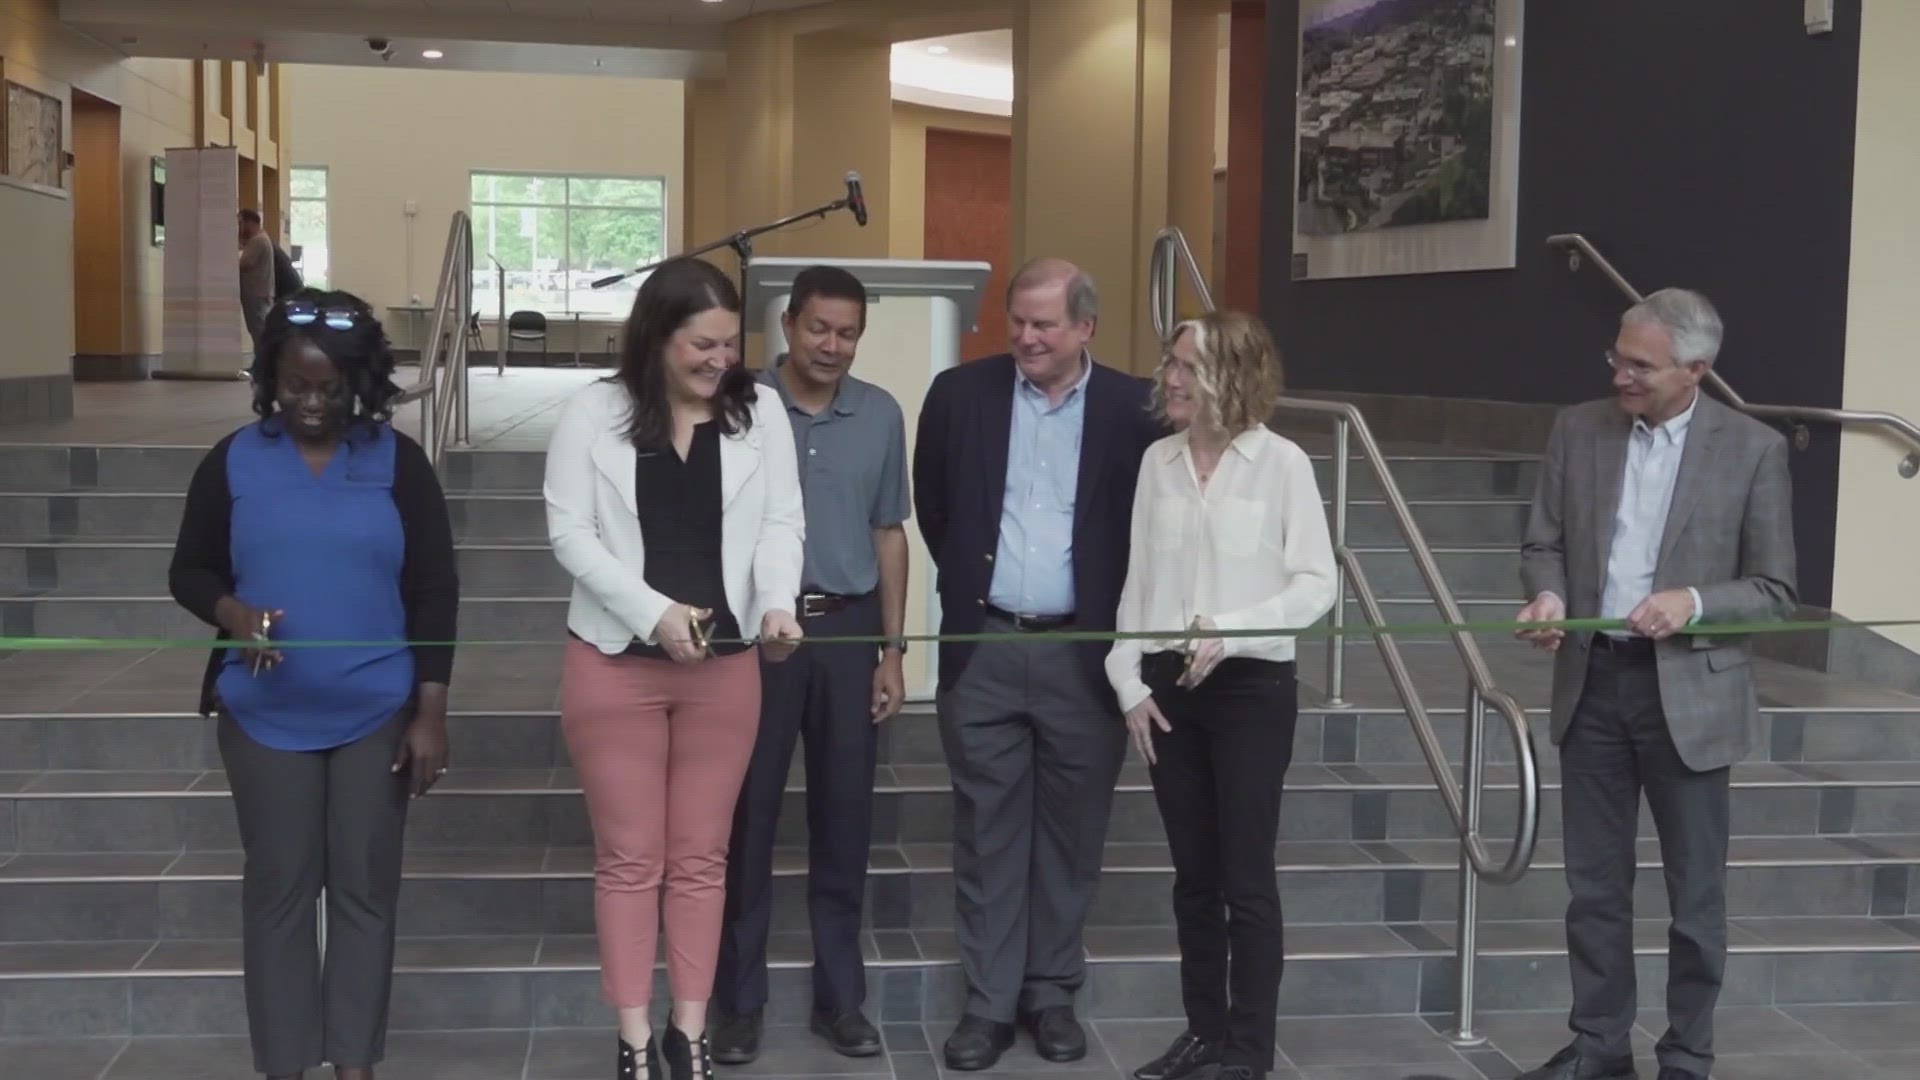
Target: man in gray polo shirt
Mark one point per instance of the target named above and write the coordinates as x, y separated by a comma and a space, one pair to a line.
851, 439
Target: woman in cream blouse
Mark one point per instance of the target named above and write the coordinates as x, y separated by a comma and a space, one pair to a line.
1229, 534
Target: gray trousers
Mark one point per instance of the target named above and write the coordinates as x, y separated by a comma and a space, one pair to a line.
1035, 753
1617, 746
332, 819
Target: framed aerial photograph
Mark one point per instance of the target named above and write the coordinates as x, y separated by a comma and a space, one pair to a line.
35, 153
1408, 137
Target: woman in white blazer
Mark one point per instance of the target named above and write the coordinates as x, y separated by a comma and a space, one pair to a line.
673, 498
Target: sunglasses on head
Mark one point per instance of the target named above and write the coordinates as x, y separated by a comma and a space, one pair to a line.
306, 312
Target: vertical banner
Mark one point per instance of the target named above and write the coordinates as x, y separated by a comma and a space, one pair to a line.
204, 335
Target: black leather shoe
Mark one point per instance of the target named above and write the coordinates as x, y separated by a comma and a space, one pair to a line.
633, 1064
1057, 1036
1188, 1055
977, 1044
1569, 1065
687, 1058
735, 1039
846, 1031
1239, 1072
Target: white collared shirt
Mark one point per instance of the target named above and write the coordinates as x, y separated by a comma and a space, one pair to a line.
1646, 493
1249, 551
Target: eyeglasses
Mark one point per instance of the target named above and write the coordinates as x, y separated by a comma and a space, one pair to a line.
1636, 370
305, 312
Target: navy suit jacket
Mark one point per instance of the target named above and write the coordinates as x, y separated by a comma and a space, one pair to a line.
960, 483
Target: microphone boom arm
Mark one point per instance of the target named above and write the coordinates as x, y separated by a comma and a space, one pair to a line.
741, 243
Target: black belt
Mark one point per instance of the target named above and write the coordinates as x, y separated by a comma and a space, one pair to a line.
1633, 648
825, 603
1031, 623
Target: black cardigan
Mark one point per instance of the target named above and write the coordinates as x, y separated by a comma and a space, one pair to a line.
202, 571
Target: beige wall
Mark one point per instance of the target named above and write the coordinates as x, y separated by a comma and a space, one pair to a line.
907, 214
156, 104
1879, 513
388, 137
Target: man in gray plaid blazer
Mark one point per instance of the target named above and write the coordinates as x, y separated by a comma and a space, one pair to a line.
1671, 511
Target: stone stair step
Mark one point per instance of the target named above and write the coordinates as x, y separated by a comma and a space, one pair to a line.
188, 988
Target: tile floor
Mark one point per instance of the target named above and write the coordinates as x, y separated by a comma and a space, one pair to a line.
1872, 1042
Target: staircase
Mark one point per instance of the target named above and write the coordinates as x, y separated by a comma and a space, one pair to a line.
119, 862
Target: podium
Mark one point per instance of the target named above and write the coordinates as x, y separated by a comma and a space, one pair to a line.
916, 312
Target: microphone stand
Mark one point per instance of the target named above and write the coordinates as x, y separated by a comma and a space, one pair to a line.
741, 243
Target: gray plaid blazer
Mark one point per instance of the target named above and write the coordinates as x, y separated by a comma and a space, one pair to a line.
1729, 534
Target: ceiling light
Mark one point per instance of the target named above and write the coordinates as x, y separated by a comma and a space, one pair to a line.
938, 50
432, 54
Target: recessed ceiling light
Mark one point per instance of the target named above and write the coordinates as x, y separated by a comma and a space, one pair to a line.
709, 1
432, 54
938, 50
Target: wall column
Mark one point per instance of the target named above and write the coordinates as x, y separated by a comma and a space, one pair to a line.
1090, 151
1879, 512
1192, 94
706, 146
805, 109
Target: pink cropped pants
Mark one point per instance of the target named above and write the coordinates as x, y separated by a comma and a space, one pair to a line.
661, 748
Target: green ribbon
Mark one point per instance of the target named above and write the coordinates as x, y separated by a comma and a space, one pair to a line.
1318, 631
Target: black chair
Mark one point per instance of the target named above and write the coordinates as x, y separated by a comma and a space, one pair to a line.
528, 326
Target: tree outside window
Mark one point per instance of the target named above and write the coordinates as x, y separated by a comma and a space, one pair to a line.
554, 235
309, 205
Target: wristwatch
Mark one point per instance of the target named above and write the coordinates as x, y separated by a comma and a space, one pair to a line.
899, 643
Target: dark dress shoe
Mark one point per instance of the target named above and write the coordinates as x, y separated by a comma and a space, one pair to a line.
1568, 1064
977, 1044
643, 1064
1057, 1036
847, 1032
687, 1057
735, 1039
1188, 1055
1239, 1072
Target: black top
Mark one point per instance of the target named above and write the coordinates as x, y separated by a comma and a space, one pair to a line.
679, 504
202, 571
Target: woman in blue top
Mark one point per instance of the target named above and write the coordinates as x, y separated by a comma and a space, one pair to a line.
321, 523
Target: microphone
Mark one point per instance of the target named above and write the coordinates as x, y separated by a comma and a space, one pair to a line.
611, 279
856, 201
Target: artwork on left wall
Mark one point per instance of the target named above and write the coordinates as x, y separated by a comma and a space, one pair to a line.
34, 148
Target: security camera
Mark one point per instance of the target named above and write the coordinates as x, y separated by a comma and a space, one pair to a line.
379, 44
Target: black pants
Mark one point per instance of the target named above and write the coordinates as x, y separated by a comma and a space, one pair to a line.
824, 694
308, 820
1617, 746
1218, 780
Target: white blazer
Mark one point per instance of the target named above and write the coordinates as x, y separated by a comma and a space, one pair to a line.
594, 525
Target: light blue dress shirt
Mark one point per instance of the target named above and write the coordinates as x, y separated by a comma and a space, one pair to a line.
1033, 566
1639, 523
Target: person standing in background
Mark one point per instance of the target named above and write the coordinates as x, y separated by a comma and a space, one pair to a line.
1023, 479
851, 442
256, 274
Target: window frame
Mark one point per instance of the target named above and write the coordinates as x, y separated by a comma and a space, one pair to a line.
566, 206
326, 218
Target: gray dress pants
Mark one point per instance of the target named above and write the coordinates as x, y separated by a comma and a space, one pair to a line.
1035, 753
308, 820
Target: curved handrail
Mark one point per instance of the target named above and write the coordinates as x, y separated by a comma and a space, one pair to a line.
441, 388
1578, 247
1171, 244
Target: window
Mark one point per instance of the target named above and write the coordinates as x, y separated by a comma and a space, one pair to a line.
555, 234
309, 184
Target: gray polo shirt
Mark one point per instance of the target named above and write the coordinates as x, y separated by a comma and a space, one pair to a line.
853, 478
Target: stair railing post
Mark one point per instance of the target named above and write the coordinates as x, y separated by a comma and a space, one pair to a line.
1467, 952
1337, 643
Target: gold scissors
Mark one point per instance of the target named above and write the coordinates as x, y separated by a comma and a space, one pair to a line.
1192, 649
700, 624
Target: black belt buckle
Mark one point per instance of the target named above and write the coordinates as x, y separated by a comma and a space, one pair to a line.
1034, 624
1625, 646
813, 605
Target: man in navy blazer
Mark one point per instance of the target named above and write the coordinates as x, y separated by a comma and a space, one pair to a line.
1024, 472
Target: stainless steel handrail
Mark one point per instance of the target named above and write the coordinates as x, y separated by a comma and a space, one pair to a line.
1578, 247
442, 388
1463, 801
